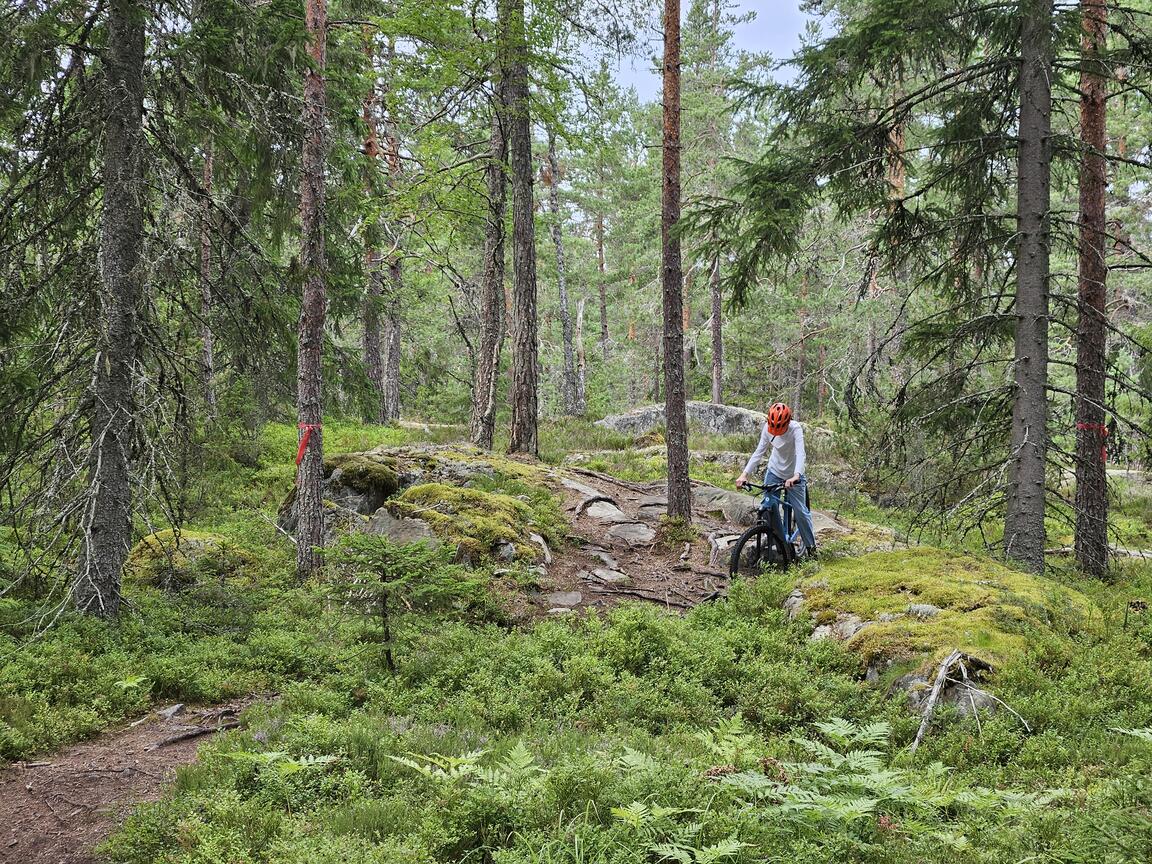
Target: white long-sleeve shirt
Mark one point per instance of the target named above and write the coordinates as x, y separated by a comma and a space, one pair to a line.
788, 455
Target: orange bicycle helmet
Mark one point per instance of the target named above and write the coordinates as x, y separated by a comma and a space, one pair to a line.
779, 416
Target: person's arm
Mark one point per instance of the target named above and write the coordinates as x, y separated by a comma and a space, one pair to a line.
801, 456
757, 455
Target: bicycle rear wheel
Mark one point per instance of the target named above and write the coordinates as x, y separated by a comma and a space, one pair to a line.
759, 547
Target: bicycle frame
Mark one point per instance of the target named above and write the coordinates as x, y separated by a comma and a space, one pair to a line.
779, 508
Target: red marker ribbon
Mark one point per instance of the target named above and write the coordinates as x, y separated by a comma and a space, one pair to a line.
1103, 430
307, 427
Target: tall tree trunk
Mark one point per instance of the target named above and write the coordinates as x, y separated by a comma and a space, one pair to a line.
309, 382
568, 384
373, 261
822, 380
581, 361
207, 337
717, 333
679, 484
801, 346
1092, 331
1024, 533
107, 525
395, 276
394, 332
717, 295
602, 285
525, 359
482, 425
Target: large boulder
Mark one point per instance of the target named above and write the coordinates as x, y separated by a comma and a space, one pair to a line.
905, 610
708, 417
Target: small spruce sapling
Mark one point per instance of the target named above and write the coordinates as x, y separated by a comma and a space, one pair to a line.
369, 574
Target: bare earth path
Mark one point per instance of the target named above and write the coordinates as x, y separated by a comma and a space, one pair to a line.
58, 809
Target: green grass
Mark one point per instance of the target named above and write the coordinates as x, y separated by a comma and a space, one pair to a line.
632, 736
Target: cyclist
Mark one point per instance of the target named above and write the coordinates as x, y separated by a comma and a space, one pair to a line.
785, 467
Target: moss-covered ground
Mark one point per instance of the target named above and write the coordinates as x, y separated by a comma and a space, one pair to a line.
633, 736
985, 609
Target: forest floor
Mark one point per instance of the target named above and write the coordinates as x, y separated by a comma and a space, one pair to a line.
619, 549
60, 808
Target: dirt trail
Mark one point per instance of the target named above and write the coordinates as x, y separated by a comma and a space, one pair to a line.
615, 553
59, 808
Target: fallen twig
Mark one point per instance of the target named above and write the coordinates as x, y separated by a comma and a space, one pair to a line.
934, 696
195, 733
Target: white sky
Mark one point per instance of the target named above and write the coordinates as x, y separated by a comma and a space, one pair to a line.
776, 29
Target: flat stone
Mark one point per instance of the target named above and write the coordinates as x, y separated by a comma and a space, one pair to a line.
631, 534
563, 598
826, 523
794, 604
171, 711
577, 486
609, 577
923, 610
602, 511
401, 529
561, 610
605, 558
504, 550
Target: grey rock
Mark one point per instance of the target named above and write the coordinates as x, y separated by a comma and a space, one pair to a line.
577, 486
794, 603
539, 541
602, 511
923, 610
402, 529
606, 559
171, 711
561, 610
607, 577
504, 550
842, 629
630, 534
563, 598
708, 417
888, 617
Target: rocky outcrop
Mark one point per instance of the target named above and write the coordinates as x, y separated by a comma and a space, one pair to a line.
707, 417
178, 561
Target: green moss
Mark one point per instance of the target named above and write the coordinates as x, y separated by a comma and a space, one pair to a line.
987, 610
365, 472
473, 520
170, 560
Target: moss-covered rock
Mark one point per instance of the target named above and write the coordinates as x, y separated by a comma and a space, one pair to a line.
480, 524
911, 607
177, 561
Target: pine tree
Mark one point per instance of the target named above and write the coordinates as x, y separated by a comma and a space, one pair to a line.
672, 277
313, 261
107, 524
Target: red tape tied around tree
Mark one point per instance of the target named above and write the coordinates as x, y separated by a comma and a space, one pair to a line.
307, 427
1103, 430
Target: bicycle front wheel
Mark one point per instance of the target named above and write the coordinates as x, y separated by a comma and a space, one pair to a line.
759, 547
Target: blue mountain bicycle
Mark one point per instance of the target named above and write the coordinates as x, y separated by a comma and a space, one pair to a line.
771, 541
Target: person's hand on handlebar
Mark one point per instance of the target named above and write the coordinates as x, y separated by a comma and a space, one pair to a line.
740, 481
791, 481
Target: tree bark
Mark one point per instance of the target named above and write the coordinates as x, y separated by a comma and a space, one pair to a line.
801, 347
373, 263
679, 484
207, 337
107, 525
602, 285
1092, 331
395, 279
717, 334
1024, 532
309, 383
482, 425
525, 355
581, 361
568, 383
